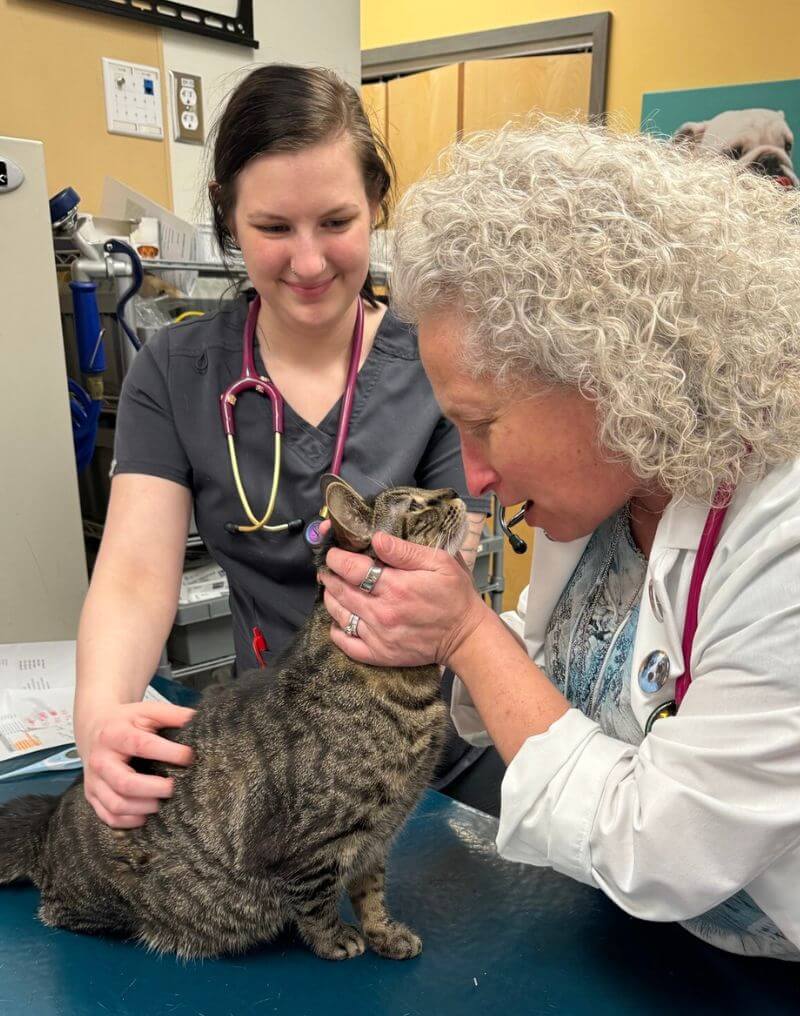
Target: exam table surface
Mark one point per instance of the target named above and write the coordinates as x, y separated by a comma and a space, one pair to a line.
498, 938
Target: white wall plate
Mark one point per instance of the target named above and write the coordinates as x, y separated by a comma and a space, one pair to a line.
133, 99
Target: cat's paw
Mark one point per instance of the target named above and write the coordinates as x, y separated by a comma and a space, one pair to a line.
394, 941
343, 943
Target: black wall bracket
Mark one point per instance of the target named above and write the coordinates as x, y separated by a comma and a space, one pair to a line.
181, 17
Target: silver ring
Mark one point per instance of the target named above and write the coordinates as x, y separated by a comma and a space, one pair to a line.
351, 628
371, 578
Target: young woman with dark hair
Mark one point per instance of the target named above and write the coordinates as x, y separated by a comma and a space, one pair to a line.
299, 181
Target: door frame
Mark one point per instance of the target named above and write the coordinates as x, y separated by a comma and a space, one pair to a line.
581, 34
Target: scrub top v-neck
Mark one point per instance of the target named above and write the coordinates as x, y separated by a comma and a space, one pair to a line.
168, 425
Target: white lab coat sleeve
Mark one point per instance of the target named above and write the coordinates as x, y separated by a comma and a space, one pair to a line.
709, 800
466, 718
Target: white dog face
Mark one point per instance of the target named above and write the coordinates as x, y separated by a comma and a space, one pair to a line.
758, 139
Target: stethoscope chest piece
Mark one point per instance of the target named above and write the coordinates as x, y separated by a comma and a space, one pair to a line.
662, 712
312, 535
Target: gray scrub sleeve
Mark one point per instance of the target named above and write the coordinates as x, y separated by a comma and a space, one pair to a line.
146, 438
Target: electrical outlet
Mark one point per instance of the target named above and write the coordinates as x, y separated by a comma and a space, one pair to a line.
133, 99
187, 108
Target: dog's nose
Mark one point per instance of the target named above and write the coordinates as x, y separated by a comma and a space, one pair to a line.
769, 165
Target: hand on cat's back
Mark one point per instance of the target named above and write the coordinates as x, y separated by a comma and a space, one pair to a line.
421, 609
108, 740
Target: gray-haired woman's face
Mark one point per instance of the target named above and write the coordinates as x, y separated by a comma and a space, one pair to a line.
538, 447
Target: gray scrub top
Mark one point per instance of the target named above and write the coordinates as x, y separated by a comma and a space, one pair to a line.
169, 425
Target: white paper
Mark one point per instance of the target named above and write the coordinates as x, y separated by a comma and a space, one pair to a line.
37, 687
177, 236
206, 583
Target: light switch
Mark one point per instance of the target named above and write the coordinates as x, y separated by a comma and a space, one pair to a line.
133, 99
187, 108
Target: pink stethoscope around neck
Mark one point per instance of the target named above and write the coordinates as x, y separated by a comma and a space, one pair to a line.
250, 380
705, 551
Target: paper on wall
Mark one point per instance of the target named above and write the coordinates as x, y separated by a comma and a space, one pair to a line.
37, 686
177, 236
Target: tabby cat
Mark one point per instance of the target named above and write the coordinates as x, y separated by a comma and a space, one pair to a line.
300, 781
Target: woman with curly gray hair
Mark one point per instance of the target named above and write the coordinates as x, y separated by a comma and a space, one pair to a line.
614, 326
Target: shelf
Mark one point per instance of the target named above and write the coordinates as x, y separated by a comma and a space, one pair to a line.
201, 267
66, 254
189, 669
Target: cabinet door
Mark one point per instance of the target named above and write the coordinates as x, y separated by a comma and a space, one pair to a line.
374, 99
423, 119
496, 91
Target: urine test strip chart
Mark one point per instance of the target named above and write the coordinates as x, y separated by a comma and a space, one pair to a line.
37, 688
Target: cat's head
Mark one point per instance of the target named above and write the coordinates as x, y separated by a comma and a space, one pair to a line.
433, 518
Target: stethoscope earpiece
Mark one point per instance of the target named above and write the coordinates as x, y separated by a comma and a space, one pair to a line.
518, 545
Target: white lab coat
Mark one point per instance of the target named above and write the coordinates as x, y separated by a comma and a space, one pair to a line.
709, 803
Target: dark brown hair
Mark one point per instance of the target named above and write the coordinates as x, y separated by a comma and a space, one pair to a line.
283, 108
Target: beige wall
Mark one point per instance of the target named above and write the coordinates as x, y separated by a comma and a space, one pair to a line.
291, 31
51, 80
656, 45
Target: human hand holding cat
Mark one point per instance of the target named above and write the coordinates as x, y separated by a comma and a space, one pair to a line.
122, 797
423, 607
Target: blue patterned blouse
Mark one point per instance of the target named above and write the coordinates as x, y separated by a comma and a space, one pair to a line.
588, 657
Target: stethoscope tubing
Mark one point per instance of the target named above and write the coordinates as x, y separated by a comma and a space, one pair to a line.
250, 380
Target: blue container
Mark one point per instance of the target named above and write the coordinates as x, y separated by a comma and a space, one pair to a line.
91, 354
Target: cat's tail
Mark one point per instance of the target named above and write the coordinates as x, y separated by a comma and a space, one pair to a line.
23, 825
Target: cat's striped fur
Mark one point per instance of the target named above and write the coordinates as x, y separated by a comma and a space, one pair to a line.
300, 780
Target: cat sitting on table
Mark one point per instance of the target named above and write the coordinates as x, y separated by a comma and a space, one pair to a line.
298, 786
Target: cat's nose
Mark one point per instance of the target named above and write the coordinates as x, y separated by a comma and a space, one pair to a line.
449, 494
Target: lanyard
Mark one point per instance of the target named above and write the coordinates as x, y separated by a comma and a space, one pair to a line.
708, 543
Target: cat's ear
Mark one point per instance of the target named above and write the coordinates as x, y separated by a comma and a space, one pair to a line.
350, 515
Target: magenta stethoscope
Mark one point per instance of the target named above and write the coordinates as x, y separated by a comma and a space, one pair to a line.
252, 381
705, 551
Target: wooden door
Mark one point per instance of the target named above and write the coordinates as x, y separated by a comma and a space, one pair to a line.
423, 117
374, 99
496, 91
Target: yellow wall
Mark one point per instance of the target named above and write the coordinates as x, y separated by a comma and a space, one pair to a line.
51, 80
655, 44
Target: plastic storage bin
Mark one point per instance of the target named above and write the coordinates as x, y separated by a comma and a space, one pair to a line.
202, 631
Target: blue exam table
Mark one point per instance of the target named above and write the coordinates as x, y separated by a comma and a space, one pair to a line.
499, 938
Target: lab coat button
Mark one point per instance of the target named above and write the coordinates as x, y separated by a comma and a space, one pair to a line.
655, 603
654, 672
